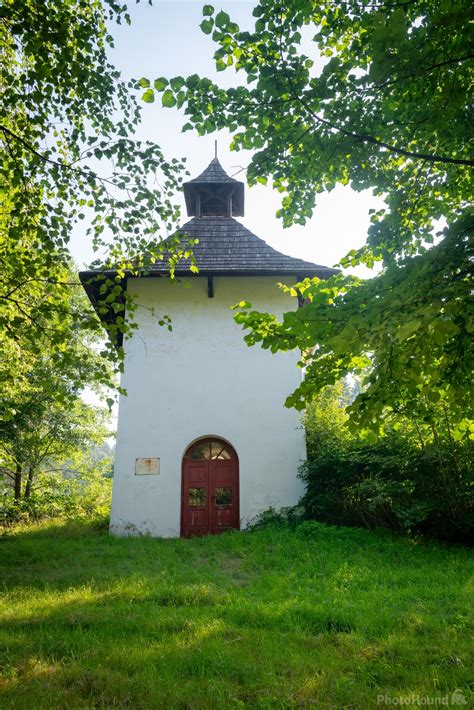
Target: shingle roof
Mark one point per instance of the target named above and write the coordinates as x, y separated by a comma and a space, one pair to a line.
214, 173
227, 247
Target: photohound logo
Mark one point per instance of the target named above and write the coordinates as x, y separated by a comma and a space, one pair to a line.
456, 699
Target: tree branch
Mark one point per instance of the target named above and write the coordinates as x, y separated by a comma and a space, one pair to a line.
366, 138
45, 159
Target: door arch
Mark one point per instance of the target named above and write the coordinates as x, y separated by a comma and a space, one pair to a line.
209, 488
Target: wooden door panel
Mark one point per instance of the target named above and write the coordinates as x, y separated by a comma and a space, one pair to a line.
197, 472
195, 498
224, 490
198, 522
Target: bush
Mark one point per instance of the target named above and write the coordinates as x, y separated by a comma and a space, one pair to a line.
311, 530
413, 478
288, 517
59, 496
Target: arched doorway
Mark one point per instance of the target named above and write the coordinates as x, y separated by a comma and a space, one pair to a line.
210, 488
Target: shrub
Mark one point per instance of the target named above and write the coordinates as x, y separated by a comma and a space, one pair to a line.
413, 478
58, 495
311, 530
288, 517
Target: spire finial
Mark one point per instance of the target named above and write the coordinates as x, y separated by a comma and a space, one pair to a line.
215, 150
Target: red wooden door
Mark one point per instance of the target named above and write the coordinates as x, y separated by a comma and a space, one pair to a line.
210, 489
224, 490
195, 502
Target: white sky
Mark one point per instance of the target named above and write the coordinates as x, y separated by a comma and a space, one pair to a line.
165, 40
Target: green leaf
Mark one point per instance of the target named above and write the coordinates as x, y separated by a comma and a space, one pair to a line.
370, 438
398, 23
207, 10
192, 81
207, 26
177, 83
407, 329
149, 96
222, 19
242, 304
144, 82
160, 83
168, 99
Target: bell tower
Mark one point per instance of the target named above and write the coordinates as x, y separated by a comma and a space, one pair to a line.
213, 193
204, 443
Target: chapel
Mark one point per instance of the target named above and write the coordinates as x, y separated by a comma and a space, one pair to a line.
204, 441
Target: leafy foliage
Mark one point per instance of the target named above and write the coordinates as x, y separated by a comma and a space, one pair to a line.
416, 477
380, 103
375, 96
408, 332
43, 419
69, 156
43, 432
79, 492
289, 518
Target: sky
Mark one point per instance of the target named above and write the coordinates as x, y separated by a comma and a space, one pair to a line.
165, 40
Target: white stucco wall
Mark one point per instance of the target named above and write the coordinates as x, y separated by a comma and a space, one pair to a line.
202, 379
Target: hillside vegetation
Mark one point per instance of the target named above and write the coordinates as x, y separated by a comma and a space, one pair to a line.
317, 617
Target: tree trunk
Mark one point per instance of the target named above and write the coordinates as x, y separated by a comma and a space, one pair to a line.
29, 484
18, 478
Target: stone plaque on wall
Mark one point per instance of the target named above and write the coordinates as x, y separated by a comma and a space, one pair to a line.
147, 467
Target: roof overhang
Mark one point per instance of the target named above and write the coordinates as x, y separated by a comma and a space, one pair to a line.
98, 286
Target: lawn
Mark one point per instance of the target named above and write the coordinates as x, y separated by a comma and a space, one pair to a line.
269, 619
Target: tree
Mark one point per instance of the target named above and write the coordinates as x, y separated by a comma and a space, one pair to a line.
47, 462
47, 430
379, 100
69, 154
43, 418
42, 436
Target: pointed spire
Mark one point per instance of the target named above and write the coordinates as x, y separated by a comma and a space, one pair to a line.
214, 173
214, 193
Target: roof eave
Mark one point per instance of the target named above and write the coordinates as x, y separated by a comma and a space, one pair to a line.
92, 282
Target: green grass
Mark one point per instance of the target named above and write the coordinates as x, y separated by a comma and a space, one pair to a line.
266, 619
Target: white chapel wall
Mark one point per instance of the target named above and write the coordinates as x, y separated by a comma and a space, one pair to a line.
202, 379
